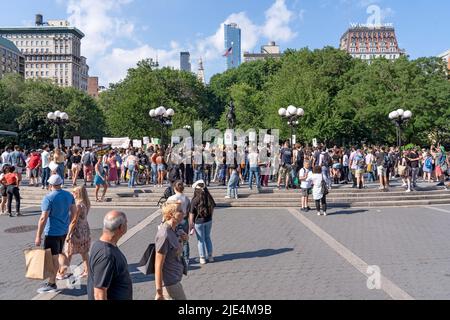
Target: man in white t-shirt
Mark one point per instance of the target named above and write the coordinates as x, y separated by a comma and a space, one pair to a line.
304, 175
353, 165
253, 159
45, 156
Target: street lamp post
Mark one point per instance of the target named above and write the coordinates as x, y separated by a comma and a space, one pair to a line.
400, 118
164, 117
293, 115
59, 119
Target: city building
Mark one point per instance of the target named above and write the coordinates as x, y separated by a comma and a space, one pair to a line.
185, 61
84, 74
11, 59
201, 72
232, 45
52, 51
271, 50
371, 42
446, 57
93, 87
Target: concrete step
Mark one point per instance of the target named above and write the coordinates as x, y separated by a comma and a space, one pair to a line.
281, 197
238, 204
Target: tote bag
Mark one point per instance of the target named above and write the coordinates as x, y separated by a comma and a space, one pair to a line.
39, 264
147, 263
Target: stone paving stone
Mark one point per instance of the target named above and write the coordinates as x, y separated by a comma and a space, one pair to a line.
260, 254
410, 245
13, 284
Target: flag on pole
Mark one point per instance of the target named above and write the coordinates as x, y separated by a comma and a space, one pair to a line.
228, 52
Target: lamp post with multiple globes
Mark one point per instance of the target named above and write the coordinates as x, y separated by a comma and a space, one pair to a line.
292, 115
59, 119
164, 117
400, 118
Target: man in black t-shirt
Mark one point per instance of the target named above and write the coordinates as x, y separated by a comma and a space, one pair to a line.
109, 278
414, 158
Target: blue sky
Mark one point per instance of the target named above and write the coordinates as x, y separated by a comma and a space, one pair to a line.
121, 32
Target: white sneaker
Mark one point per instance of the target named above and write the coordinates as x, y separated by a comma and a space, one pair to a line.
227, 197
409, 190
202, 261
325, 214
319, 214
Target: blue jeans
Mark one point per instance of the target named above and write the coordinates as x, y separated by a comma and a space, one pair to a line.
132, 176
205, 246
233, 185
254, 171
326, 174
60, 171
184, 225
198, 175
45, 176
154, 173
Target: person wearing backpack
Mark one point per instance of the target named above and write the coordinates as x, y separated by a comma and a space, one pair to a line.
360, 169
325, 161
185, 203
201, 219
427, 167
88, 167
18, 161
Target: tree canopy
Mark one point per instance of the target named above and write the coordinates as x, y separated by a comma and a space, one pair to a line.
24, 106
345, 100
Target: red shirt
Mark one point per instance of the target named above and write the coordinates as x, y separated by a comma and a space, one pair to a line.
35, 160
10, 179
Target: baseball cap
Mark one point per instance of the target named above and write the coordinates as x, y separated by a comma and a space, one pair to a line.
196, 185
55, 180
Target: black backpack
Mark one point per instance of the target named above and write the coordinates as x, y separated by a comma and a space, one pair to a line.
174, 173
87, 161
327, 161
167, 194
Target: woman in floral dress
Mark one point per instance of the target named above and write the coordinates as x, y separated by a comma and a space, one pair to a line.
79, 236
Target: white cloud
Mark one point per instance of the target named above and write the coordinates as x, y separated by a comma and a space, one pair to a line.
278, 18
104, 25
98, 23
114, 65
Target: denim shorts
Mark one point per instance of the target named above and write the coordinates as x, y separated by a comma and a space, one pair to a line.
161, 167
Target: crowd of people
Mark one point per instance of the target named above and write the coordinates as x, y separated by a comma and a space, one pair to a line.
288, 167
314, 171
63, 228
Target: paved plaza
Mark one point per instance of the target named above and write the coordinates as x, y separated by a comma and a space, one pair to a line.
278, 254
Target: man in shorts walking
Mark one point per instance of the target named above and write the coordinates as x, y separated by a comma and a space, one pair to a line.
58, 208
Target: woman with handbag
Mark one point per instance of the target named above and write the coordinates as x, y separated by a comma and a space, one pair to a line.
169, 265
441, 165
320, 190
201, 219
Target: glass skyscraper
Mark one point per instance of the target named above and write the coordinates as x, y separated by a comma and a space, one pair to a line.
233, 40
185, 61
